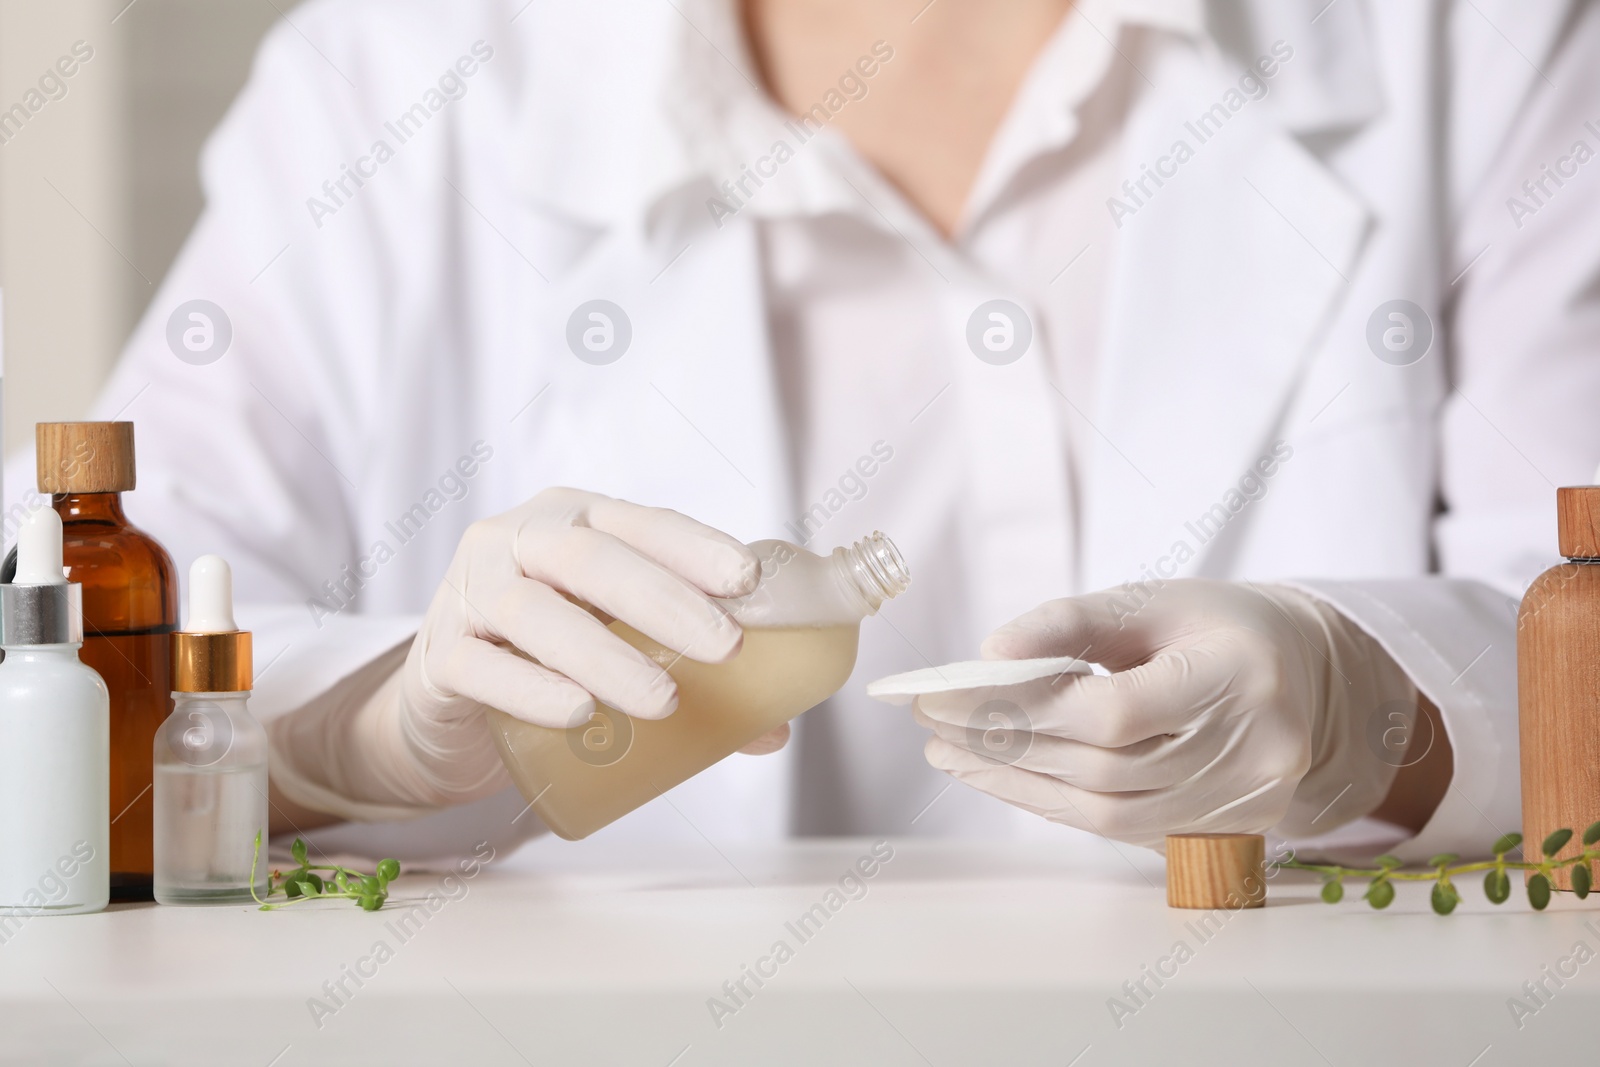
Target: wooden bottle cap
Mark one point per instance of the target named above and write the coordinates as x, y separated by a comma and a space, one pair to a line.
1578, 521
85, 457
1216, 871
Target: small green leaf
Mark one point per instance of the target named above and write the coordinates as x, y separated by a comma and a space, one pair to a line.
1496, 886
1539, 892
1592, 834
1445, 898
1388, 862
1380, 894
1333, 891
1581, 880
1556, 841
1511, 841
368, 891
1443, 859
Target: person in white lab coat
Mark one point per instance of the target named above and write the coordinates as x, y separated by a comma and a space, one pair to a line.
1295, 300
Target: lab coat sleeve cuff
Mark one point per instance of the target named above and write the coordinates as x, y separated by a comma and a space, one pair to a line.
1456, 639
308, 794
301, 659
305, 661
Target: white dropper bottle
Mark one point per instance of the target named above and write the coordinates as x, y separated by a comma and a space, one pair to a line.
210, 757
55, 739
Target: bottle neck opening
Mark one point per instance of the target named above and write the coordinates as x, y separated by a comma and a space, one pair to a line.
876, 569
218, 696
57, 650
89, 507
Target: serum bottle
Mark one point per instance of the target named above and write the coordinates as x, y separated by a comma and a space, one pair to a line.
55, 744
210, 756
130, 608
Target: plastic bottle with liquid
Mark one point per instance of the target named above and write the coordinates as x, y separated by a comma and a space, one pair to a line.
210, 757
54, 740
801, 628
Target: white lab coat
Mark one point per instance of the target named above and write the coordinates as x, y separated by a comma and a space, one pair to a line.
373, 347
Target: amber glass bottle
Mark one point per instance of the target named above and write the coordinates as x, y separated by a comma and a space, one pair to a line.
130, 607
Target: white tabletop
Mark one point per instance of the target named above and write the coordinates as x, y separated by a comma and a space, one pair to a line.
952, 953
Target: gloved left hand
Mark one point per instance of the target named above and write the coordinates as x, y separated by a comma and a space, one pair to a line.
1232, 708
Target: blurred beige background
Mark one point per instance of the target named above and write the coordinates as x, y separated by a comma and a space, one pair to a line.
100, 185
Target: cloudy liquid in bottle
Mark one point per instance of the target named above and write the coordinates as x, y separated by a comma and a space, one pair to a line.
580, 779
591, 775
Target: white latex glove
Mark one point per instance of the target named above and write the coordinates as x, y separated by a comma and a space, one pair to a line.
1233, 708
420, 741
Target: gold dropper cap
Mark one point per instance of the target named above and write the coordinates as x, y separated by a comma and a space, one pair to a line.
84, 457
211, 663
212, 655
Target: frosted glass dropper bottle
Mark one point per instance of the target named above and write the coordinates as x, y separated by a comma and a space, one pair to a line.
210, 756
801, 627
55, 739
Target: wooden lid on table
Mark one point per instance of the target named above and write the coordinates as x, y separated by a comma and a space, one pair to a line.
85, 457
1216, 871
1578, 521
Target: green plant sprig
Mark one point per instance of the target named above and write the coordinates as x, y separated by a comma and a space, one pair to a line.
1496, 882
304, 883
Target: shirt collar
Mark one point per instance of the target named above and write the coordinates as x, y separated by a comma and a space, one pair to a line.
750, 157
675, 119
1073, 64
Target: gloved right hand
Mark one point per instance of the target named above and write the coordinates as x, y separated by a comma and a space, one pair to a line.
1233, 707
508, 600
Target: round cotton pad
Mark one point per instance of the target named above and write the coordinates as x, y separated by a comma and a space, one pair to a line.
971, 674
